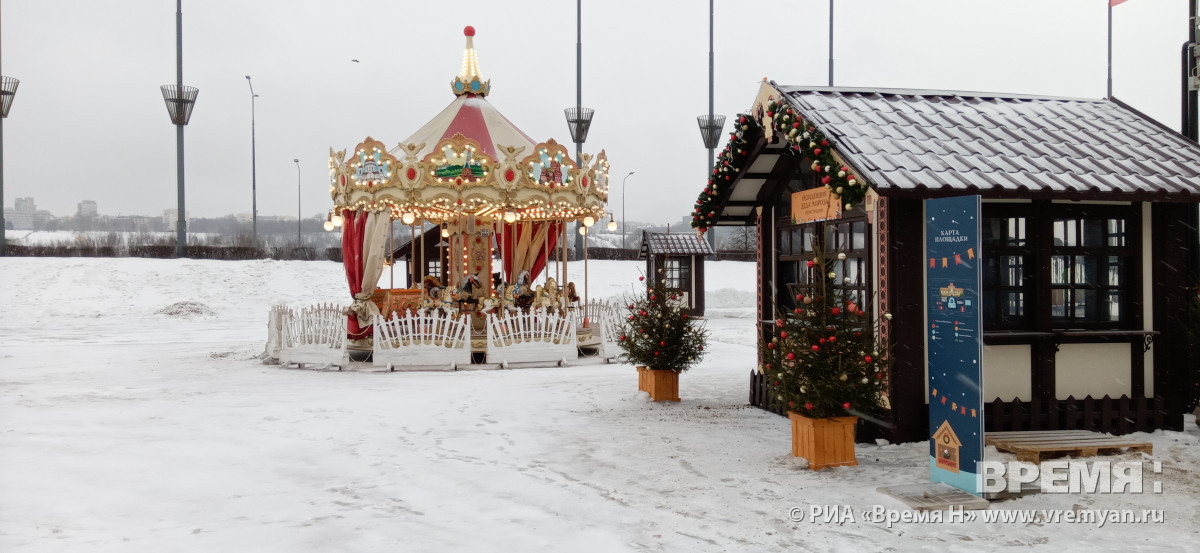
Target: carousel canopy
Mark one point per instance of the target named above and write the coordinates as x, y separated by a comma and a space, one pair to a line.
470, 160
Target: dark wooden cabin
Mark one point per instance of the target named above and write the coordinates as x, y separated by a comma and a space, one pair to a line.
681, 256
1089, 243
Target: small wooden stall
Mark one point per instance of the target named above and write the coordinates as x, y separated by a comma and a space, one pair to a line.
1088, 218
681, 259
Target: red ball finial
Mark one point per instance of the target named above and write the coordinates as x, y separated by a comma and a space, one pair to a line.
469, 31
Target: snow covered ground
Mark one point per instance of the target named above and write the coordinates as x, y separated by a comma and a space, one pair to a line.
129, 425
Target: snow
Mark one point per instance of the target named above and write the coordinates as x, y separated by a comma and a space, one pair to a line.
135, 417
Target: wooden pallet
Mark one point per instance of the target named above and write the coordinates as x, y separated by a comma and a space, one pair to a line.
1030, 446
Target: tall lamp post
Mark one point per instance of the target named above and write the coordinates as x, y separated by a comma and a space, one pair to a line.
623, 227
579, 118
253, 168
180, 100
297, 162
710, 125
8, 92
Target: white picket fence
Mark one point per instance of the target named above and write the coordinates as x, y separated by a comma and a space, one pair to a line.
535, 336
602, 318
314, 335
275, 321
416, 339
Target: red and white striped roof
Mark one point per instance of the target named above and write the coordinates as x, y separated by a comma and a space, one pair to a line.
474, 117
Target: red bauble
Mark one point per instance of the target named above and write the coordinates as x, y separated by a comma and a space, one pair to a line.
796, 125
469, 31
790, 403
656, 354
808, 406
779, 323
797, 311
799, 297
835, 311
770, 345
816, 347
791, 356
783, 335
867, 358
822, 340
653, 298
641, 278
816, 151
685, 315
833, 339
810, 263
824, 142
826, 179
846, 405
622, 337
662, 343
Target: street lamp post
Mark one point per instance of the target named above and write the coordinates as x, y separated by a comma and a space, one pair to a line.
579, 118
297, 162
8, 92
710, 125
623, 227
253, 168
180, 100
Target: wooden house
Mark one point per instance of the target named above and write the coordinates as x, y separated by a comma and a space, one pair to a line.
1089, 240
681, 258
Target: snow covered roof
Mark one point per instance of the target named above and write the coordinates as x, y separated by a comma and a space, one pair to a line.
904, 140
657, 243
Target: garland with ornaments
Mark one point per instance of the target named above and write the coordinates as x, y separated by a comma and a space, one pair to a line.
821, 358
804, 139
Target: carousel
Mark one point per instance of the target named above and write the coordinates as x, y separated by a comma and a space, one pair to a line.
498, 206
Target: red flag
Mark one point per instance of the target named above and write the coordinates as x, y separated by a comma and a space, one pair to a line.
1112, 3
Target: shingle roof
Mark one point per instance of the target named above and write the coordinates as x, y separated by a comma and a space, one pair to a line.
673, 244
964, 141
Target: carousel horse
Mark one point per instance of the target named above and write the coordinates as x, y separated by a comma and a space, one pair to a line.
447, 303
507, 301
550, 291
542, 299
470, 290
571, 296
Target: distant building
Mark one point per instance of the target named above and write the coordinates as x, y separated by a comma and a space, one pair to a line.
25, 215
171, 217
87, 208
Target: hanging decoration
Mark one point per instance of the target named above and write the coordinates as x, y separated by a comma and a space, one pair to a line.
803, 138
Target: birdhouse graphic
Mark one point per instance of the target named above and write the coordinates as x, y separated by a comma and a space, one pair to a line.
946, 446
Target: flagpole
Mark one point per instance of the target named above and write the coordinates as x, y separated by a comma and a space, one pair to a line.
1109, 49
830, 42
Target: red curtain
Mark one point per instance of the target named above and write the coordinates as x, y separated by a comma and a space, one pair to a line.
514, 235
353, 227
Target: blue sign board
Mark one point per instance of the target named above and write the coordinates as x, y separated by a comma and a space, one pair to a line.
955, 341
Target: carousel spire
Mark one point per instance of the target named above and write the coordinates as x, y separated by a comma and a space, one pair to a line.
468, 80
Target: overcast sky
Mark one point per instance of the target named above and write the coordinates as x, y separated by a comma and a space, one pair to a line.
89, 121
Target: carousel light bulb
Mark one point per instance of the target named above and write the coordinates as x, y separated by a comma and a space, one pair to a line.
328, 225
509, 216
408, 217
445, 233
337, 220
589, 221
583, 231
612, 225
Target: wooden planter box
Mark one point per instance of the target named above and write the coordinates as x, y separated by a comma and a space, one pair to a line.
824, 442
661, 385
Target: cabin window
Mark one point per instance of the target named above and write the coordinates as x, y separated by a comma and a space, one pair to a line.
1078, 260
796, 246
678, 273
434, 268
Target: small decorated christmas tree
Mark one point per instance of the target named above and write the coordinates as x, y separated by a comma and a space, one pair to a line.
656, 333
822, 358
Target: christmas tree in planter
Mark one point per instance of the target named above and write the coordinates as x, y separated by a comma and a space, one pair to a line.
660, 339
825, 364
